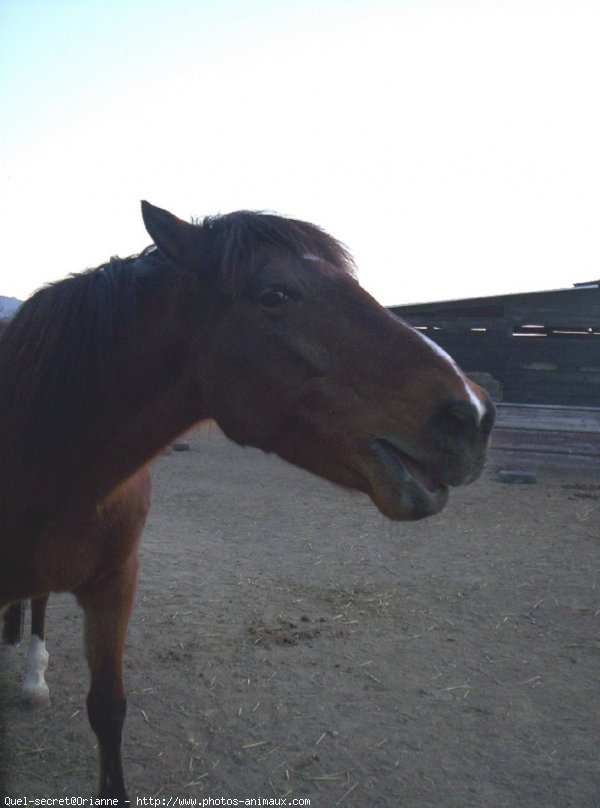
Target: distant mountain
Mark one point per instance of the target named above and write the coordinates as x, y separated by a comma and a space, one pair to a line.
8, 306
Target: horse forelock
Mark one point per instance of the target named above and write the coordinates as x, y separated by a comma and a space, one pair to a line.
237, 242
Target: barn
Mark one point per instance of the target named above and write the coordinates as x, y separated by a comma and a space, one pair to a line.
539, 355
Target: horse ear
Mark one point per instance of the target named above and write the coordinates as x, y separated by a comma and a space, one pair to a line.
178, 241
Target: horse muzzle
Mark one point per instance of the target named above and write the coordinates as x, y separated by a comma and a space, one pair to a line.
411, 485
402, 488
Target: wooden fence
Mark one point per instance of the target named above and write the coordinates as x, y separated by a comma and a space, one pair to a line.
537, 436
542, 348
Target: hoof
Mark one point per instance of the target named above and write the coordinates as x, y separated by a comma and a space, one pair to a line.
36, 697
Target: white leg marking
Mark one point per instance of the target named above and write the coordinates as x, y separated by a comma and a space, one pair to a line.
35, 690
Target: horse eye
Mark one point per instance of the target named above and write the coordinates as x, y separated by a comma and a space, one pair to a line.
273, 298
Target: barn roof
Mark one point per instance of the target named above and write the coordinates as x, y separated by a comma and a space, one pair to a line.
578, 306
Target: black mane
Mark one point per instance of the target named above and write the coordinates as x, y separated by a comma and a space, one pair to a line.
57, 352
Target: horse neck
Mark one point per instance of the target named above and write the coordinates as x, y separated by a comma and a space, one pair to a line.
148, 398
156, 398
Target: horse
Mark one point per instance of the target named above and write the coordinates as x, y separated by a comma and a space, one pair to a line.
250, 319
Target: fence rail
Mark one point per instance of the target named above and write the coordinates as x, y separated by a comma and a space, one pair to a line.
532, 435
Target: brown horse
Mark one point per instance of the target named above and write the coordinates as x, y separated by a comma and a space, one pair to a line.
253, 320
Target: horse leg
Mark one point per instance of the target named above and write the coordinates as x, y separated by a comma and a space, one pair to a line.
35, 690
12, 616
107, 604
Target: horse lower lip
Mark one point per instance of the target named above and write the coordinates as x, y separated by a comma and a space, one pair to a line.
404, 467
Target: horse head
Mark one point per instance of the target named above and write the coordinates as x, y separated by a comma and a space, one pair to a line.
306, 364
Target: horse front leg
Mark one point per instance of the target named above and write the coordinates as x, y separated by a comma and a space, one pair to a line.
35, 690
107, 606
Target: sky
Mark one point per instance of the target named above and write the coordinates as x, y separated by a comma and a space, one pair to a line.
453, 145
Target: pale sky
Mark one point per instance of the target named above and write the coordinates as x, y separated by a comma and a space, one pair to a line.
453, 146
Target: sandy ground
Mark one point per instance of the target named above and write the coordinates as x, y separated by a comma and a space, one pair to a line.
288, 641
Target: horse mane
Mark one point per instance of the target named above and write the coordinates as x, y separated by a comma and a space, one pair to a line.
57, 353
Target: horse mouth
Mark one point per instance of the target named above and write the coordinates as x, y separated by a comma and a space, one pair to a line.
404, 488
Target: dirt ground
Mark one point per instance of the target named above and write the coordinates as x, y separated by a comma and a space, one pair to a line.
288, 641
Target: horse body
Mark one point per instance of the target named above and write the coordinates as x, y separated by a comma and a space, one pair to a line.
252, 320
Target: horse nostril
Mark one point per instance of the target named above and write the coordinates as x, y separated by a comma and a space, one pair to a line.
455, 423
